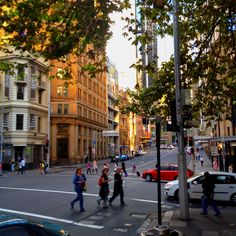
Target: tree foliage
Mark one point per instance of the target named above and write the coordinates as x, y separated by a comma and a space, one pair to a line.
207, 31
55, 28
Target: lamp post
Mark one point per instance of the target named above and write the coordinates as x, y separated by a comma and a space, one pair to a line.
183, 196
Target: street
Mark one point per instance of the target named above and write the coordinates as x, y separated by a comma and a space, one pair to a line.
47, 198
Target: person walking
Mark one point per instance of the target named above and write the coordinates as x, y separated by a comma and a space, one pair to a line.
23, 165
41, 167
95, 166
79, 181
104, 188
133, 168
12, 166
208, 195
124, 168
201, 160
19, 166
118, 188
89, 167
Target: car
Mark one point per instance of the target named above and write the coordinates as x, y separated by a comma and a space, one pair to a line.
225, 186
18, 226
168, 172
122, 157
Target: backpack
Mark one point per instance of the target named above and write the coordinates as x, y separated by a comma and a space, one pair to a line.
100, 181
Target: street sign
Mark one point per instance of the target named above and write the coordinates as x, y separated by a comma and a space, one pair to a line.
214, 151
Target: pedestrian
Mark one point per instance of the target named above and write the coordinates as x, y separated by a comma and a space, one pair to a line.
19, 166
104, 188
45, 167
12, 166
133, 168
208, 195
86, 157
22, 165
118, 188
89, 165
115, 167
201, 160
215, 164
79, 181
230, 168
95, 166
106, 166
124, 168
41, 168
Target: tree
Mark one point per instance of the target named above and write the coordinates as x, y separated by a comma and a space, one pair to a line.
55, 28
207, 50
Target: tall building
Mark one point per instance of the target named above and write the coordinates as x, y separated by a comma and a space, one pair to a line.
112, 133
24, 109
78, 114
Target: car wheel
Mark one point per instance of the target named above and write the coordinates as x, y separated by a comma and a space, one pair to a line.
233, 199
176, 195
148, 178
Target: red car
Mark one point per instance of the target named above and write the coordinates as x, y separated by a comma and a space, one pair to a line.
168, 172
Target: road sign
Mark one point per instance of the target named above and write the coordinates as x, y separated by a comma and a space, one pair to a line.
214, 151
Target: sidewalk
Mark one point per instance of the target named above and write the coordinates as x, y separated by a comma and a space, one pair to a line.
196, 225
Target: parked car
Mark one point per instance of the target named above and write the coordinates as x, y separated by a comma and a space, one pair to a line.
14, 225
168, 172
122, 157
225, 186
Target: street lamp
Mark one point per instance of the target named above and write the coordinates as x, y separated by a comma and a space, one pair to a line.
183, 196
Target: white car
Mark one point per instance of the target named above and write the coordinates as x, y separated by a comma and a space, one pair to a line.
225, 186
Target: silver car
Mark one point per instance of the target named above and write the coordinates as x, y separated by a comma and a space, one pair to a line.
225, 186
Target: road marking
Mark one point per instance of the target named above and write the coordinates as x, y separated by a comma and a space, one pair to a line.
85, 194
53, 218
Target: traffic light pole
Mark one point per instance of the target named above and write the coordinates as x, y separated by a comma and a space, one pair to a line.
183, 196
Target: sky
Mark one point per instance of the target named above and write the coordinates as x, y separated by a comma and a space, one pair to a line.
122, 54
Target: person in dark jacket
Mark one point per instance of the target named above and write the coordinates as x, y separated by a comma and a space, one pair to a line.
208, 195
118, 188
79, 182
104, 188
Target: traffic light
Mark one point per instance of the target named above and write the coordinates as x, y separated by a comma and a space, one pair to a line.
47, 143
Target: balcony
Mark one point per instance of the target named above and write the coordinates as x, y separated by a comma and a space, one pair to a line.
21, 81
41, 85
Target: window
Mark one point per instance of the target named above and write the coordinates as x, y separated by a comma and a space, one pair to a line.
32, 121
59, 90
5, 121
65, 90
59, 109
21, 71
85, 113
33, 88
7, 83
19, 121
66, 108
62, 129
39, 124
20, 92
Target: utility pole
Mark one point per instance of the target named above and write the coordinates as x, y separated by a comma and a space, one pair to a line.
183, 196
1, 127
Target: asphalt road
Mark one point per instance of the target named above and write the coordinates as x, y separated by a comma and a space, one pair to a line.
47, 198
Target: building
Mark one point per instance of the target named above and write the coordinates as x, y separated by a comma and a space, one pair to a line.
78, 114
24, 106
112, 133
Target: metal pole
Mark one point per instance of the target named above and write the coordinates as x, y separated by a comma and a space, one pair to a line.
183, 196
1, 142
49, 123
158, 142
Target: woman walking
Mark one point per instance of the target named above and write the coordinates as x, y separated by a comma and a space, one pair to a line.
79, 182
104, 188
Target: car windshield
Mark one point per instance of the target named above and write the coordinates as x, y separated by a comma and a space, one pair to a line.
194, 177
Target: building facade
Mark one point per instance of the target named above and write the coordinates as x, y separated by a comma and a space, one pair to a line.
78, 114
24, 106
112, 133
